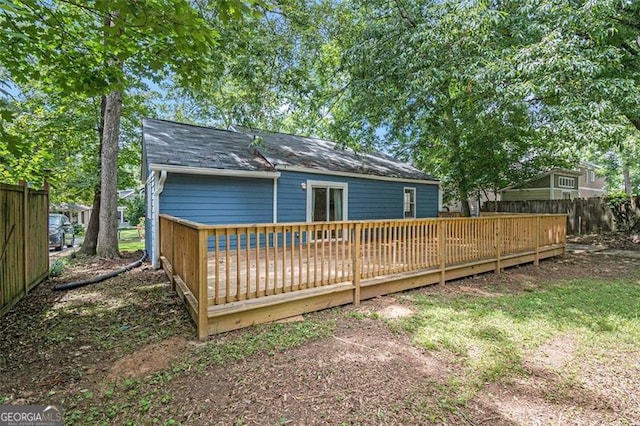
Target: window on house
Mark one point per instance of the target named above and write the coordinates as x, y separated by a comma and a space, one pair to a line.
409, 203
326, 201
592, 175
566, 182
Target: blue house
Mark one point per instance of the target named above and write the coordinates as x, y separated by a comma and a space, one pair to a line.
236, 176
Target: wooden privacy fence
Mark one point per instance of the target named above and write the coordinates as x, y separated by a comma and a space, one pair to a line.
24, 246
231, 276
584, 215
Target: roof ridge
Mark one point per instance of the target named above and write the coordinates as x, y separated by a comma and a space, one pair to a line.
200, 126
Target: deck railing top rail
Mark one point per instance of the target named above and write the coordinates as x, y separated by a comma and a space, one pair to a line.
198, 225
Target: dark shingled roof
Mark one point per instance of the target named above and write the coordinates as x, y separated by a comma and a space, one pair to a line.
177, 144
170, 143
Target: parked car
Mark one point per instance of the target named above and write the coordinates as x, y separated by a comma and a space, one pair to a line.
60, 232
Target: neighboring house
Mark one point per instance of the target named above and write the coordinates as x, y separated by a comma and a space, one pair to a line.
77, 213
556, 184
589, 183
227, 177
82, 214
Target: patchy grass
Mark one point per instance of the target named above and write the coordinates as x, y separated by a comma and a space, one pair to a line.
491, 337
534, 344
123, 401
130, 240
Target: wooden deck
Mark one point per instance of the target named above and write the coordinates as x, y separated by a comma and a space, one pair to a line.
237, 275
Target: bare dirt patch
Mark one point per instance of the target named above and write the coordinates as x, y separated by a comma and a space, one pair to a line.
149, 359
554, 354
364, 374
612, 240
528, 402
395, 311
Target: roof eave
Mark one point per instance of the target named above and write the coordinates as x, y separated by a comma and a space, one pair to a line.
260, 174
355, 175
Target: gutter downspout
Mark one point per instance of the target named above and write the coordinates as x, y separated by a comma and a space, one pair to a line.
439, 197
155, 261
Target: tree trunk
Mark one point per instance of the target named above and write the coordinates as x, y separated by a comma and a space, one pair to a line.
108, 233
464, 207
626, 175
91, 234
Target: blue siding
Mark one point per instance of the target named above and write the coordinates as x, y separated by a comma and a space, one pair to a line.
217, 200
368, 199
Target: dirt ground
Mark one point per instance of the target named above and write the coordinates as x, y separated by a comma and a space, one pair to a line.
125, 350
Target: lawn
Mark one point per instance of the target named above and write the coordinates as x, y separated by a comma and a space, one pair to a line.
130, 240
554, 344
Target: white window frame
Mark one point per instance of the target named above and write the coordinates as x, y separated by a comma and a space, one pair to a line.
327, 184
566, 182
415, 202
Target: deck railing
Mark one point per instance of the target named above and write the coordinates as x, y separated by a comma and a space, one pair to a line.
215, 265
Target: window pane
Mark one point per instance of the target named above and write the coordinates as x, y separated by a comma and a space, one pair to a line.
335, 204
319, 204
409, 202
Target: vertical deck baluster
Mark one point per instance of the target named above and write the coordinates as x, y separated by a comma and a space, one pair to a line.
268, 235
227, 266
216, 260
238, 265
247, 244
257, 294
276, 288
300, 281
315, 255
308, 236
330, 254
292, 244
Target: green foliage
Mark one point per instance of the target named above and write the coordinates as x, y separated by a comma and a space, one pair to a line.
57, 267
624, 212
78, 229
134, 209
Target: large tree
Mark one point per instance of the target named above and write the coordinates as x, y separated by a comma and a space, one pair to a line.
100, 49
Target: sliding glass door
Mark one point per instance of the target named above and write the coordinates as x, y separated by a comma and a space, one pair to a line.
327, 204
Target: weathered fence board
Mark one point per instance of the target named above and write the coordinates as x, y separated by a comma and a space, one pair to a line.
24, 254
584, 215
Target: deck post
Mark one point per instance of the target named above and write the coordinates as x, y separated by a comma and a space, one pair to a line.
442, 249
203, 297
171, 255
497, 227
356, 263
536, 260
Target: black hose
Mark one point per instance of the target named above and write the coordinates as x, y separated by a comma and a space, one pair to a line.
100, 278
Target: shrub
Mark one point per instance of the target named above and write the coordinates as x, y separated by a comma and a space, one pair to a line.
78, 229
134, 209
57, 268
623, 211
